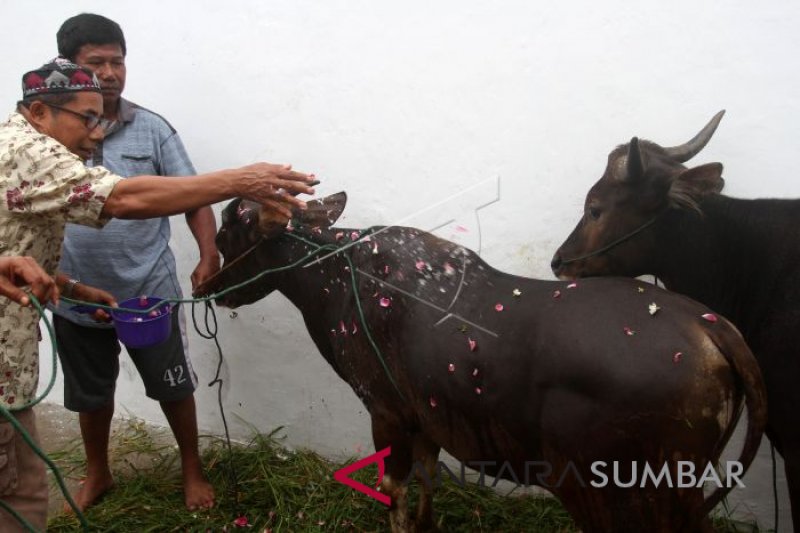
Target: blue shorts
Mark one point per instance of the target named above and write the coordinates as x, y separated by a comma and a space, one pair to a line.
90, 359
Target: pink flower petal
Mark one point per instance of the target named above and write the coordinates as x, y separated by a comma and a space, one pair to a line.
289, 226
386, 269
572, 285
475, 373
677, 357
461, 229
354, 235
143, 301
420, 264
241, 521
339, 235
628, 331
375, 248
448, 269
556, 294
498, 307
433, 402
342, 327
451, 367
355, 327
385, 302
478, 390
473, 345
710, 317
326, 290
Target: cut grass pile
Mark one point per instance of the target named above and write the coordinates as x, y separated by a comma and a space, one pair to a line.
281, 490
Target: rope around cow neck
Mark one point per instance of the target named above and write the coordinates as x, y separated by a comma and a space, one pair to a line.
613, 244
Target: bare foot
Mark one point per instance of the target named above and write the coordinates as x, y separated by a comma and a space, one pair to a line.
198, 492
91, 490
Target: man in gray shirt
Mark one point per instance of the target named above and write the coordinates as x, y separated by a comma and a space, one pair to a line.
129, 258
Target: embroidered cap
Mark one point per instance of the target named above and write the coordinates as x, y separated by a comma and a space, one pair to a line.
58, 76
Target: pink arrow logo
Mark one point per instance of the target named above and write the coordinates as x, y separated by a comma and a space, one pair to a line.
342, 475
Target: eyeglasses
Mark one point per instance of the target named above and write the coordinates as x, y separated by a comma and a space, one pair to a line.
90, 121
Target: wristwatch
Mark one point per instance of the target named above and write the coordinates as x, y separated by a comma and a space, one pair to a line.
69, 287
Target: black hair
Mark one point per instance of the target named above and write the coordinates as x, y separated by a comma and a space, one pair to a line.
87, 28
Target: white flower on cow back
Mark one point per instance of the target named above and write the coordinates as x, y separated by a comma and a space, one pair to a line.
653, 308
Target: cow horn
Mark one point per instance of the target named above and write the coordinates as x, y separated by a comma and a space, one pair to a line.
686, 151
635, 165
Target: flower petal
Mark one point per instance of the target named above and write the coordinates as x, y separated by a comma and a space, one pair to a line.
473, 345
385, 302
710, 317
498, 307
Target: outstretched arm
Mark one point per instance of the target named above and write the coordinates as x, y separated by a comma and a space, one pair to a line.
271, 185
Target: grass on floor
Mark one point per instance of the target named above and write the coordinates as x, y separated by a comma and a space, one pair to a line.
281, 490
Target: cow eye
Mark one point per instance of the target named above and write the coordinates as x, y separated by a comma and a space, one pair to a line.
594, 212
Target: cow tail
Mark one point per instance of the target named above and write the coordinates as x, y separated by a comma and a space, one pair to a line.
733, 347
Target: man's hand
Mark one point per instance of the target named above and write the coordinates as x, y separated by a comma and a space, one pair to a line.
18, 271
275, 186
207, 267
87, 293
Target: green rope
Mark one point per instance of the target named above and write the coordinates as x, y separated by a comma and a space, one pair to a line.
6, 412
21, 519
360, 309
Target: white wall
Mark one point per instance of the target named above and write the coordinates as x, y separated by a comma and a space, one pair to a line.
401, 101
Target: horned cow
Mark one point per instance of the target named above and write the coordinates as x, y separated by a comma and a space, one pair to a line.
650, 214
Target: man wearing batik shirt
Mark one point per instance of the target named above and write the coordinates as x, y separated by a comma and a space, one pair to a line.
43, 185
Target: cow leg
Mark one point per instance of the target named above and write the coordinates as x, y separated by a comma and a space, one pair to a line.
426, 454
397, 469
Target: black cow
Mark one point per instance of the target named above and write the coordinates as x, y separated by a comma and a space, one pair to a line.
649, 214
447, 352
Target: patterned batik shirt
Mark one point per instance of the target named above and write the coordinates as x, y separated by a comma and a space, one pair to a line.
42, 187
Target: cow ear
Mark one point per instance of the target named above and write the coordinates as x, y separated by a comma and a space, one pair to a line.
323, 212
692, 184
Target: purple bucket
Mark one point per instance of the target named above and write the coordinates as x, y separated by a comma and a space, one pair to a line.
138, 330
